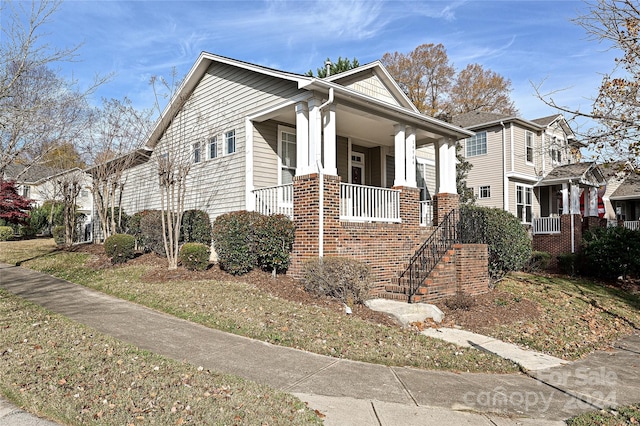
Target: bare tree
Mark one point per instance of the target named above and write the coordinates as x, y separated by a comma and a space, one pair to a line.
616, 108
37, 106
185, 126
113, 145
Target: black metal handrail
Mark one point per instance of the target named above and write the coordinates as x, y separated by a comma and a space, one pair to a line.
425, 259
467, 226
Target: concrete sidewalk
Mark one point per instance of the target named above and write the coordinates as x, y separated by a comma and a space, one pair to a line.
350, 392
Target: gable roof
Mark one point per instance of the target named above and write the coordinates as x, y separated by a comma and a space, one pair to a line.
381, 72
588, 174
410, 115
31, 174
546, 121
479, 119
628, 189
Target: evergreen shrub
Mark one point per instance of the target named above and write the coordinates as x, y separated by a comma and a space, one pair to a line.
194, 256
120, 247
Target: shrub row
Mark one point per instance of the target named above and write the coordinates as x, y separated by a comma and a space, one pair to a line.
244, 240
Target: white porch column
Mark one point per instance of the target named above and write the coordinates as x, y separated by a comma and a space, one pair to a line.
399, 145
302, 139
329, 125
410, 159
315, 133
593, 202
446, 166
575, 199
566, 207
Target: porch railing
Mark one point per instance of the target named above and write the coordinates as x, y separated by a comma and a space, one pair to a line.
275, 200
546, 225
426, 213
634, 225
369, 204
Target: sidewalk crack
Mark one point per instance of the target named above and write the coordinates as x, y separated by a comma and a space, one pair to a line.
308, 376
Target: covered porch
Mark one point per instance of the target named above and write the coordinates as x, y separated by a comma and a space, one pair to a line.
572, 189
374, 149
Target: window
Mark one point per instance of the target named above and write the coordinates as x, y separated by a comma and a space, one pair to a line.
524, 195
288, 155
529, 147
196, 152
230, 142
556, 151
213, 147
26, 191
476, 145
484, 192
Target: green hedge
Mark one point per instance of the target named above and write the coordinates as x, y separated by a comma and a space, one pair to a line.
274, 237
611, 252
244, 240
120, 247
233, 239
195, 256
508, 241
196, 227
58, 235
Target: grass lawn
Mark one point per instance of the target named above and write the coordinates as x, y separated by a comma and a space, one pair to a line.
242, 308
74, 375
577, 316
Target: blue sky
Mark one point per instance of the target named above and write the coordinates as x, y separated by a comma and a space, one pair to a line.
525, 41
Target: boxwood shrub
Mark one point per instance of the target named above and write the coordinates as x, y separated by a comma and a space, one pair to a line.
58, 235
120, 247
611, 252
194, 256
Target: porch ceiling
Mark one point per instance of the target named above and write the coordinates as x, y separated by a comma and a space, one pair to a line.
363, 127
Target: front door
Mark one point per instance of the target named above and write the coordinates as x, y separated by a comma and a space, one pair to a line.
357, 168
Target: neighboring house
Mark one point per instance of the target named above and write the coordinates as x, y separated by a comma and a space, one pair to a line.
343, 156
528, 167
626, 200
40, 183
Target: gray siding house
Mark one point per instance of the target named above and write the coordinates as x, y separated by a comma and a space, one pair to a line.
250, 130
528, 167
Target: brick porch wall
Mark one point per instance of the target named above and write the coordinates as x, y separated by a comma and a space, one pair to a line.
386, 247
556, 244
463, 269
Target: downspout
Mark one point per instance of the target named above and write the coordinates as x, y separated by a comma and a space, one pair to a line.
505, 179
321, 187
321, 212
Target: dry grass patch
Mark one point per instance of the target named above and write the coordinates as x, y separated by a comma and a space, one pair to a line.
74, 375
15, 252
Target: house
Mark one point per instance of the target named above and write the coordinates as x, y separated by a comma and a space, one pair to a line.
528, 167
343, 156
624, 198
41, 183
